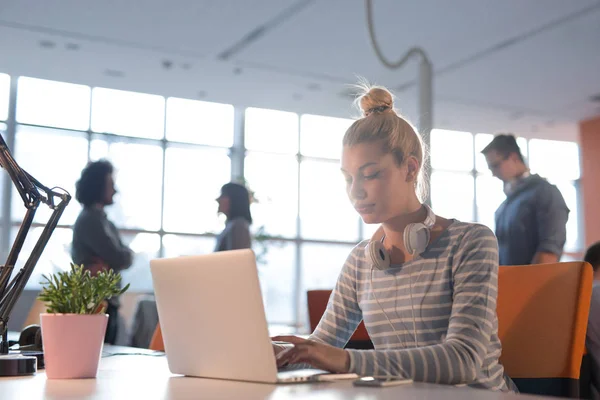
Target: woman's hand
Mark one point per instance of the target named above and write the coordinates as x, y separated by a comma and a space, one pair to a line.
279, 347
318, 355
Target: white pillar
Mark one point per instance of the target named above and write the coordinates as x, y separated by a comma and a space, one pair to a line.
426, 110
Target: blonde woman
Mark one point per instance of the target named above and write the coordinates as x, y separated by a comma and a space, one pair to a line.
425, 286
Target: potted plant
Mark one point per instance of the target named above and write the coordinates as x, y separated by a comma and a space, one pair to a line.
74, 326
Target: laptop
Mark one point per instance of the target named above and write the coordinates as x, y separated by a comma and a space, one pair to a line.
213, 320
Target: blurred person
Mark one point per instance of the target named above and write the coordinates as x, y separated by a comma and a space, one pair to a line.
234, 203
531, 222
425, 286
96, 241
592, 341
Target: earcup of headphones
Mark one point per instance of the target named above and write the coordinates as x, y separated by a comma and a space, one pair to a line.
378, 255
416, 238
31, 338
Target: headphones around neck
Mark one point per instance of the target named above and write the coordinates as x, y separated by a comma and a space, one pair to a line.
416, 239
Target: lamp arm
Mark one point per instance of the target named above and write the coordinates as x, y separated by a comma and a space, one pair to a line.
32, 193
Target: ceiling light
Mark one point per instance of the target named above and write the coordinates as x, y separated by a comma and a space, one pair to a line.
48, 44
114, 73
315, 87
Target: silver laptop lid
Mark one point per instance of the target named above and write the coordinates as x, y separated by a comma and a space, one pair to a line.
212, 316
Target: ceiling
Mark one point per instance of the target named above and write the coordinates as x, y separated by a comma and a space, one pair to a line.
525, 66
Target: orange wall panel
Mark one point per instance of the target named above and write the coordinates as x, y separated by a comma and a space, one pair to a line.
589, 140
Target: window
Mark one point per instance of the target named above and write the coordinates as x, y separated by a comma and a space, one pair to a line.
199, 122
274, 180
146, 247
3, 176
271, 131
193, 179
187, 245
277, 274
4, 96
325, 211
128, 113
489, 196
368, 230
322, 136
451, 150
56, 256
55, 158
321, 266
138, 180
452, 195
569, 192
554, 160
51, 103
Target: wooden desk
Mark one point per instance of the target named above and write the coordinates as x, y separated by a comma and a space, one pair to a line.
148, 377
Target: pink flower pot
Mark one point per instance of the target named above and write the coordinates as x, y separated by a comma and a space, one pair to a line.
72, 344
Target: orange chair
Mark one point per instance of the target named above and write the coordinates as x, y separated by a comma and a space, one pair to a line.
156, 343
542, 320
317, 303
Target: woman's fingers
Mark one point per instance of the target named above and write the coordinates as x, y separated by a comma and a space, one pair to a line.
289, 339
298, 353
283, 357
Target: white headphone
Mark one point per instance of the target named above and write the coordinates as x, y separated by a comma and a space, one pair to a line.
416, 240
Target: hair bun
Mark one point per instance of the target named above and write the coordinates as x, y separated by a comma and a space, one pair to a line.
376, 100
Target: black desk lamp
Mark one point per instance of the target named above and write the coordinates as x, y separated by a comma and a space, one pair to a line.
33, 193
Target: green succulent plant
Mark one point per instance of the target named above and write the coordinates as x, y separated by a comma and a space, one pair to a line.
78, 292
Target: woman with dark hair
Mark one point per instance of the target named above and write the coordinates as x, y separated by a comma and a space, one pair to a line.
234, 202
96, 241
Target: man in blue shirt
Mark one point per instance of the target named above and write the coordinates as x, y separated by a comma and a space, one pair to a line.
531, 222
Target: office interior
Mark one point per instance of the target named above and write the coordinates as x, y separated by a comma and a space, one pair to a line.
183, 97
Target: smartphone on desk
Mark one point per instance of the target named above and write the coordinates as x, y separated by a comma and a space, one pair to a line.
380, 382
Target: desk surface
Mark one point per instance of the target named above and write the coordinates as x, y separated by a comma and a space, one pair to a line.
148, 377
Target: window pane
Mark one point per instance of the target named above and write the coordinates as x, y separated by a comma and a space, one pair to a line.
321, 265
489, 197
146, 247
3, 175
52, 103
554, 160
274, 181
322, 136
569, 192
193, 179
184, 245
128, 113
271, 130
138, 178
55, 257
199, 122
277, 273
451, 150
55, 158
4, 96
369, 230
325, 211
452, 195
482, 140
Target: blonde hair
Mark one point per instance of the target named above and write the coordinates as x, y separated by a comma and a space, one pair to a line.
380, 122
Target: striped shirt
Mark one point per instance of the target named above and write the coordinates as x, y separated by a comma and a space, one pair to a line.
441, 304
